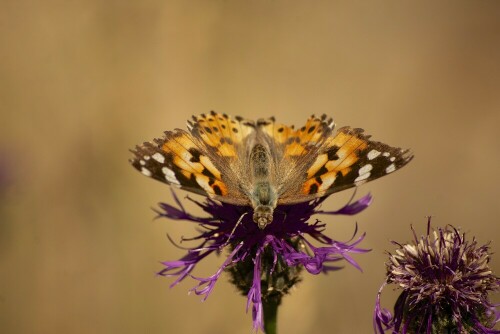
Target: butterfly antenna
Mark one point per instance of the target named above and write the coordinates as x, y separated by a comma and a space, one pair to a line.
353, 194
234, 229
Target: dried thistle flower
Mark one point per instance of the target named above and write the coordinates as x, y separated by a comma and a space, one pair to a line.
445, 282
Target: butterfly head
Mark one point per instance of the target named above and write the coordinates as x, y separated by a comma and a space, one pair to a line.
263, 215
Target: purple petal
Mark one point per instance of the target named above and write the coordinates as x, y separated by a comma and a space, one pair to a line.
352, 208
207, 284
382, 318
254, 295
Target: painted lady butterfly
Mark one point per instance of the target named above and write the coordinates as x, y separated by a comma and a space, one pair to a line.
264, 164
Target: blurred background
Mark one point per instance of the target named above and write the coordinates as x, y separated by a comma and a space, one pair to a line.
82, 82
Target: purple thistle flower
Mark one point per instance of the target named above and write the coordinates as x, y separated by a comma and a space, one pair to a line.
263, 263
445, 281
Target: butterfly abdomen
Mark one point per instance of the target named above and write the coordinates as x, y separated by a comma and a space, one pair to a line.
263, 193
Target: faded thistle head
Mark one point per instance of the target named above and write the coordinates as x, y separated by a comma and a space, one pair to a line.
444, 281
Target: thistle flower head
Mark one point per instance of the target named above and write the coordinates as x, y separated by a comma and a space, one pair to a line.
445, 281
263, 263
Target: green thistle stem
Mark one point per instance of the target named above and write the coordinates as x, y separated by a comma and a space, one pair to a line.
270, 308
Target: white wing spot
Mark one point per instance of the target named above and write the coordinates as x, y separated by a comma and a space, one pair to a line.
391, 168
170, 176
147, 157
386, 154
360, 182
392, 159
364, 173
159, 157
373, 154
365, 169
145, 171
142, 162
361, 178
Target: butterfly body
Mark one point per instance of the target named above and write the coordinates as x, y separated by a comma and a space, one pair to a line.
263, 164
264, 196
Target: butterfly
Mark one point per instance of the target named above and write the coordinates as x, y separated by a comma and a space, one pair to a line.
263, 163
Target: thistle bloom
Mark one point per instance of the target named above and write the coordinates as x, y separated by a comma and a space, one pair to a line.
445, 281
263, 263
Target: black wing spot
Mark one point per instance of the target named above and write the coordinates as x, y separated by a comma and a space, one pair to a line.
281, 129
195, 154
207, 129
332, 153
313, 189
292, 140
217, 190
320, 172
235, 130
311, 129
208, 173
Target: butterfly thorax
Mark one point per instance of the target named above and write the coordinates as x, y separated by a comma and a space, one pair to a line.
263, 196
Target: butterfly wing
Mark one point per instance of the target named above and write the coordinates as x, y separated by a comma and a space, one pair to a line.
204, 161
317, 163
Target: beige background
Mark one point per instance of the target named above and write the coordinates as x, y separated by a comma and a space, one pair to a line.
81, 82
